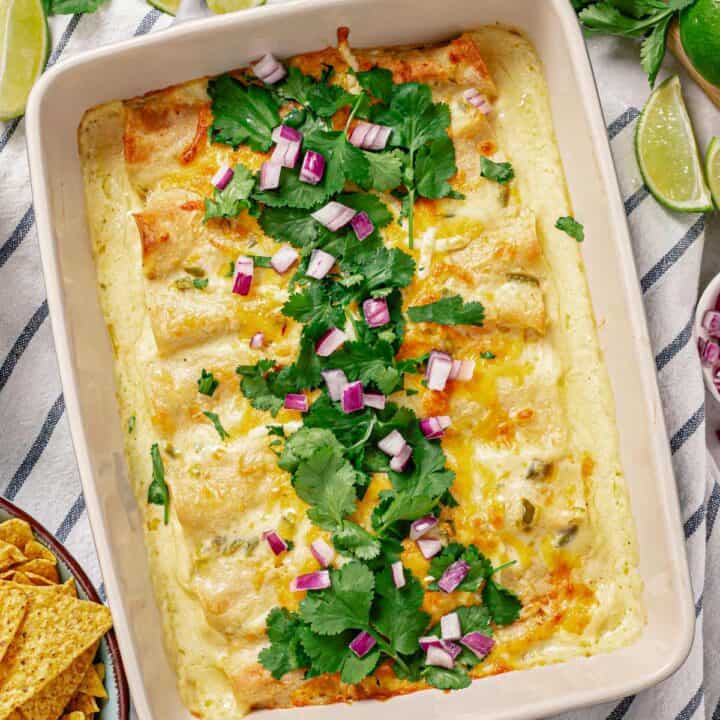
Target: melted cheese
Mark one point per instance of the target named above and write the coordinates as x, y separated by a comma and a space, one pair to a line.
533, 441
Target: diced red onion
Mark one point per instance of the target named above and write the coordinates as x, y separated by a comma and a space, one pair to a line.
296, 401
284, 259
398, 574
709, 351
431, 428
422, 526
322, 552
430, 641
222, 177
455, 369
352, 397
362, 225
438, 370
269, 175
480, 644
257, 340
451, 648
276, 543
334, 215
330, 342
450, 626
467, 369
269, 69
429, 547
313, 167
320, 265
401, 460
336, 382
363, 643
453, 576
711, 322
244, 269
376, 312
318, 580
478, 100
439, 657
286, 154
374, 400
287, 134
716, 378
392, 444
370, 136
445, 421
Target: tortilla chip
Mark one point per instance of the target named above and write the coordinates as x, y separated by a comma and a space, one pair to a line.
44, 568
37, 551
38, 579
100, 670
91, 684
10, 555
75, 715
16, 532
84, 704
15, 715
50, 702
13, 602
56, 631
69, 587
20, 578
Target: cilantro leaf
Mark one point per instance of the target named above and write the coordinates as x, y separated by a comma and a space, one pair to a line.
326, 482
354, 669
572, 227
296, 86
207, 384
380, 266
293, 193
376, 209
501, 172
292, 225
503, 604
242, 115
200, 283
343, 161
345, 605
378, 82
325, 100
303, 444
286, 651
444, 679
314, 307
449, 311
652, 50
131, 424
474, 618
434, 166
347, 428
255, 386
235, 198
215, 420
373, 364
158, 491
397, 613
303, 374
351, 539
480, 566
326, 653
386, 169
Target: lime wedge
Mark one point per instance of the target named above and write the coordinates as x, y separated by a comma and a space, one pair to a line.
167, 6
667, 152
24, 45
226, 6
712, 169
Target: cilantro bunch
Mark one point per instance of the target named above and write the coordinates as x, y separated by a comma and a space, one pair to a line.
646, 19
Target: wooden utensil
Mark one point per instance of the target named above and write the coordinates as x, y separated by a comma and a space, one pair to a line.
675, 45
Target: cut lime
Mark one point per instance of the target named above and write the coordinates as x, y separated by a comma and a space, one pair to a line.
667, 151
24, 45
226, 6
712, 169
700, 35
167, 6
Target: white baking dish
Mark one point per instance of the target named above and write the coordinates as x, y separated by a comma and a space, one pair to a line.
217, 44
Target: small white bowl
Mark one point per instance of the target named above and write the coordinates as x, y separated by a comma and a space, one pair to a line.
707, 302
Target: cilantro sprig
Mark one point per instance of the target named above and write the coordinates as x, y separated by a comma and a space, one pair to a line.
450, 310
158, 491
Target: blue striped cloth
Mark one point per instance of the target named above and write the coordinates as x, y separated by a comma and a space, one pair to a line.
38, 467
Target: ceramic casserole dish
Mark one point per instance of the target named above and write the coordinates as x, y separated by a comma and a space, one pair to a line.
210, 46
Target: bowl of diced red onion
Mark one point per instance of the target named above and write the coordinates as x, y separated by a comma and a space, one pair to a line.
707, 335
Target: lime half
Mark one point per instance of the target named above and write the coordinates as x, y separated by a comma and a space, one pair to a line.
167, 6
700, 35
712, 169
667, 151
226, 6
24, 45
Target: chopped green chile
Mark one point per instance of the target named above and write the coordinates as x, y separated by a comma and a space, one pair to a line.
529, 513
566, 536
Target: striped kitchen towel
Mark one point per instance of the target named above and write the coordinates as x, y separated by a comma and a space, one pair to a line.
38, 466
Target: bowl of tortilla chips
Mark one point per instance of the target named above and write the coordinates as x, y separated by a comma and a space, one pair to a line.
59, 658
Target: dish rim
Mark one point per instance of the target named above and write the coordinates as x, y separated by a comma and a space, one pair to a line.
607, 176
80, 576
